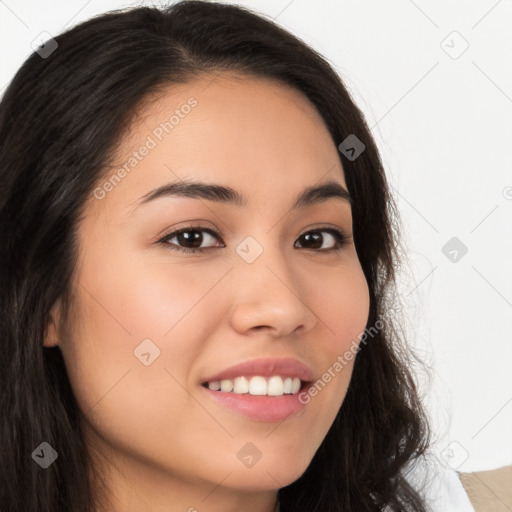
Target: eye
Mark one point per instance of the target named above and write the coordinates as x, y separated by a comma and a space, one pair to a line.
189, 235
314, 237
192, 238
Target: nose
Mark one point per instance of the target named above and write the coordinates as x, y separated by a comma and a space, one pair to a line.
269, 294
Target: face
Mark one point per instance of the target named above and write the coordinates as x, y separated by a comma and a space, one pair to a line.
151, 324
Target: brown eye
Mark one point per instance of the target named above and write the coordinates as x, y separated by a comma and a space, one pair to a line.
314, 239
189, 239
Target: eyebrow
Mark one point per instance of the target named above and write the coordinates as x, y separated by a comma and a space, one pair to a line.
223, 194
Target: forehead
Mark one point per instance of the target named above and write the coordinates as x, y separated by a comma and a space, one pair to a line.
253, 134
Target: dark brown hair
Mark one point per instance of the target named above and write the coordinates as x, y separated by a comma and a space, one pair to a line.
60, 119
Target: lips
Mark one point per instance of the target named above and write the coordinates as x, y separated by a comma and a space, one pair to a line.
264, 367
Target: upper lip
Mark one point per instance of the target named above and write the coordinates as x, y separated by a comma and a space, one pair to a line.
265, 367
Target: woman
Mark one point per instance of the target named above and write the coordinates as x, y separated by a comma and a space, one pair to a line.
197, 274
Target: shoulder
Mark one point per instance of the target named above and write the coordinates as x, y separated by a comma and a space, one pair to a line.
438, 484
489, 490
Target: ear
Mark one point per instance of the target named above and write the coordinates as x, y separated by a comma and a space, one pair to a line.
51, 338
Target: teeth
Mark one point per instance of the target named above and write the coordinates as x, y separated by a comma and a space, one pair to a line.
214, 385
258, 386
241, 385
274, 386
226, 385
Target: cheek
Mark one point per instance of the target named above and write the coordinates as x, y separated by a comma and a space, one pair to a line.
128, 304
344, 306
162, 298
343, 310
124, 400
131, 309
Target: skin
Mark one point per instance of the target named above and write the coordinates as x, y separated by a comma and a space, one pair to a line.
169, 447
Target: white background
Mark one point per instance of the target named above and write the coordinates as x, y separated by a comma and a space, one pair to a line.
442, 121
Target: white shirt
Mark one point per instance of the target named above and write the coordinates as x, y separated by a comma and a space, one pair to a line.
438, 484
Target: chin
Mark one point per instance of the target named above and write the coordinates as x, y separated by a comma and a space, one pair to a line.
271, 475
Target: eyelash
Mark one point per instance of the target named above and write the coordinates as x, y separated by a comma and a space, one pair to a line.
340, 237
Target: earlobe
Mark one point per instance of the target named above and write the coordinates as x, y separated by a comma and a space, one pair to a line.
51, 338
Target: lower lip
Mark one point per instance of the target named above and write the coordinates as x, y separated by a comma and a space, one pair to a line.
260, 408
